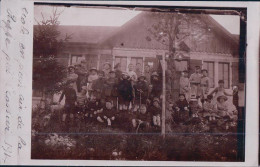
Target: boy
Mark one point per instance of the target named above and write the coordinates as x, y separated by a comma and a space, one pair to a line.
195, 81
156, 86
98, 86
125, 92
141, 92
70, 101
110, 88
185, 85
181, 109
91, 78
204, 84
109, 113
156, 110
142, 120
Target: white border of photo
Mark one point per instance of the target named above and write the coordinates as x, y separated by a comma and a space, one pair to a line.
21, 137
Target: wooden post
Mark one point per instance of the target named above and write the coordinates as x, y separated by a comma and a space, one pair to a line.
163, 96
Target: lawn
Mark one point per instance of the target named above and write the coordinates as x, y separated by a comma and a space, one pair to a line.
95, 141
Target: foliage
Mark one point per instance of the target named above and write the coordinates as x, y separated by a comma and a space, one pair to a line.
47, 44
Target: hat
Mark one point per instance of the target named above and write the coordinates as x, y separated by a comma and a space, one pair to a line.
70, 67
222, 96
156, 99
204, 70
155, 74
185, 71
93, 68
142, 75
107, 63
209, 97
112, 71
181, 94
221, 81
110, 101
197, 67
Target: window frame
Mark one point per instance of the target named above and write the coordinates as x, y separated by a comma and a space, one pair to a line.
223, 63
214, 73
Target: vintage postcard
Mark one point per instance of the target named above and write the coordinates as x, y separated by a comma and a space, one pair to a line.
130, 83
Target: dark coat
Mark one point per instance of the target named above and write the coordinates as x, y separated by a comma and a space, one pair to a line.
157, 88
70, 96
181, 104
154, 110
141, 87
110, 87
93, 106
125, 90
109, 113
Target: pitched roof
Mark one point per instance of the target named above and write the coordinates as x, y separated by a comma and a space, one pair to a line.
86, 34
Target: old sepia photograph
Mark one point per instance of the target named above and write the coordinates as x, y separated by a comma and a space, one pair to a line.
138, 83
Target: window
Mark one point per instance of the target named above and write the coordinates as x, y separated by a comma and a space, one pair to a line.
122, 61
75, 59
210, 67
223, 73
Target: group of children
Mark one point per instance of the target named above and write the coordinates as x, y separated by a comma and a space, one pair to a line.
104, 98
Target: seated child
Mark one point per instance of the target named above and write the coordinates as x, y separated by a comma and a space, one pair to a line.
195, 108
142, 119
156, 110
181, 109
108, 114
222, 106
209, 109
93, 107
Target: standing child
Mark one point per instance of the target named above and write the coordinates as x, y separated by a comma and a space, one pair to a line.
156, 110
110, 88
205, 85
91, 78
141, 92
181, 109
98, 87
185, 85
195, 81
70, 100
156, 86
125, 92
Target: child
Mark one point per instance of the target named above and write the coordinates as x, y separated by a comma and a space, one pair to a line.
209, 109
109, 113
72, 77
98, 86
195, 81
70, 101
185, 85
125, 92
131, 73
204, 84
141, 92
156, 110
93, 107
219, 91
81, 100
156, 85
222, 106
195, 108
143, 119
235, 96
181, 109
110, 88
91, 78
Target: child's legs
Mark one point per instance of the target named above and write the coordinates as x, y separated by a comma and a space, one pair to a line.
154, 120
158, 120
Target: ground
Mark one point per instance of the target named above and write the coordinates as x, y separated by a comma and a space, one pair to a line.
95, 141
